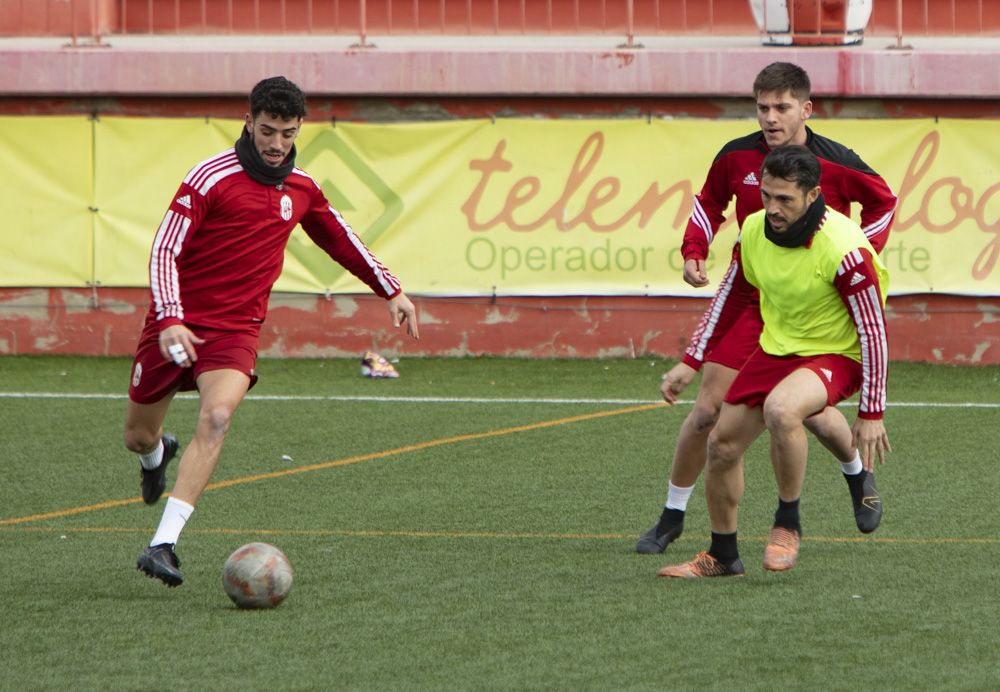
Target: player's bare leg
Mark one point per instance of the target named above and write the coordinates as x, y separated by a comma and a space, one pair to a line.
832, 430
144, 424
737, 427
793, 400
144, 435
689, 458
220, 393
690, 454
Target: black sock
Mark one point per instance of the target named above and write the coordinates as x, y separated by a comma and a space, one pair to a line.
668, 520
787, 515
724, 548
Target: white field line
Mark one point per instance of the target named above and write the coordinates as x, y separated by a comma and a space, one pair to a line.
460, 400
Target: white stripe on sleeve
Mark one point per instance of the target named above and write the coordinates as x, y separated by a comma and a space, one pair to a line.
700, 219
866, 309
388, 282
163, 280
879, 225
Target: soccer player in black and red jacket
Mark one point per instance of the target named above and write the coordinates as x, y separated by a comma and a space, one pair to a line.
730, 328
215, 257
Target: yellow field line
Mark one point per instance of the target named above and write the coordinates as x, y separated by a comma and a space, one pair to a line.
498, 535
70, 512
346, 461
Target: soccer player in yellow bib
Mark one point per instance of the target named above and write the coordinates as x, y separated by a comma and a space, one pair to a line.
822, 297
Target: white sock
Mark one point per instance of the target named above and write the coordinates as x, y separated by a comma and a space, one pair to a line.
152, 460
854, 467
175, 515
677, 497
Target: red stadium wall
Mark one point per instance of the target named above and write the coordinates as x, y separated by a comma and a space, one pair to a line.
935, 329
456, 17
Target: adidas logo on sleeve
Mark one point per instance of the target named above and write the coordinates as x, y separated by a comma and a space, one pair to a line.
751, 179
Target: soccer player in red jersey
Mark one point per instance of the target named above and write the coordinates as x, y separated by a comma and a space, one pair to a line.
822, 296
730, 328
215, 257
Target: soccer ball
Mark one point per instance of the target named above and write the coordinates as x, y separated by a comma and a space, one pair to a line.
257, 575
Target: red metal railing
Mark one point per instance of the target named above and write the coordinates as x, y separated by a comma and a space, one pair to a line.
94, 20
433, 17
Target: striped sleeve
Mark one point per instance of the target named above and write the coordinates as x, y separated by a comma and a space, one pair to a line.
878, 207
700, 231
328, 229
707, 213
857, 283
163, 278
179, 224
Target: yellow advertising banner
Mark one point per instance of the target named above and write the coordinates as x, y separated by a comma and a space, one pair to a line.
481, 207
46, 238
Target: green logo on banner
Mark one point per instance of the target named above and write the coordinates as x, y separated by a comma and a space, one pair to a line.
367, 204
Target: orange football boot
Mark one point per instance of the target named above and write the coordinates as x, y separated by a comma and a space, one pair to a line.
704, 565
782, 549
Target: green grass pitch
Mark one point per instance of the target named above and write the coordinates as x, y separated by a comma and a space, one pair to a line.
483, 539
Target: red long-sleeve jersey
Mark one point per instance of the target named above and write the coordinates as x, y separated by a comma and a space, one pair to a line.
844, 178
220, 246
859, 289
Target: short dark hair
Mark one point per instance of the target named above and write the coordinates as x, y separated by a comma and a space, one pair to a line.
795, 163
781, 77
279, 97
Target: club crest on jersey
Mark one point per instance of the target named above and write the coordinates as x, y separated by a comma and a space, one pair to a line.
286, 207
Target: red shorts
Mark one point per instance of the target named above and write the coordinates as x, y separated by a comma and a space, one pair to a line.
739, 342
154, 377
762, 373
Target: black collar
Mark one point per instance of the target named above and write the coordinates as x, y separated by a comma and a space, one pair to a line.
254, 165
801, 232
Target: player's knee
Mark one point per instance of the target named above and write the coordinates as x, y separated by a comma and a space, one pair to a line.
214, 421
780, 415
139, 440
703, 417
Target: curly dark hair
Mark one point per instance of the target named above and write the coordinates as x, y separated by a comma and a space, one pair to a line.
781, 77
794, 163
279, 97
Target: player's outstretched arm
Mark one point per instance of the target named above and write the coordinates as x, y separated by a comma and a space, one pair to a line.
402, 310
871, 439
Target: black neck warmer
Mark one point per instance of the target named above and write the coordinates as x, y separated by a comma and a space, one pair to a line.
800, 232
254, 165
